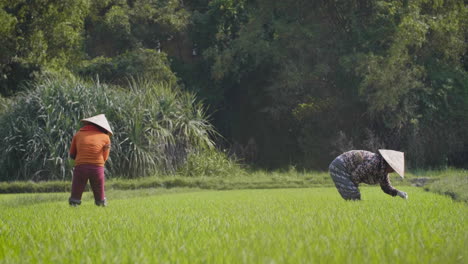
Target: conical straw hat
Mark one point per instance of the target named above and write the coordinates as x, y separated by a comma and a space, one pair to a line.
99, 120
395, 159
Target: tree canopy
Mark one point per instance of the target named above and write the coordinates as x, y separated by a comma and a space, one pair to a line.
287, 82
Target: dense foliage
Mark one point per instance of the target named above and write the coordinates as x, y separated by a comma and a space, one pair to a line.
156, 127
310, 79
287, 82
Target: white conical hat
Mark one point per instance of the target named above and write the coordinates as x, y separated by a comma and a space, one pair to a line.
99, 120
395, 159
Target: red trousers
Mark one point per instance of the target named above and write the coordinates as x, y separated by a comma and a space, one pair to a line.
81, 175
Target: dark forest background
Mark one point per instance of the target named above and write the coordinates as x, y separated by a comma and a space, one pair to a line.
291, 82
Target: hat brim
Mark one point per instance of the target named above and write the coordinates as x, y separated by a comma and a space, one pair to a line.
100, 121
395, 159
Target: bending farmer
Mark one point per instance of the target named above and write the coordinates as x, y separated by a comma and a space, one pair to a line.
359, 166
90, 149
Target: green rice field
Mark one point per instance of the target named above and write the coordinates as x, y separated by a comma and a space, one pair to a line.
312, 225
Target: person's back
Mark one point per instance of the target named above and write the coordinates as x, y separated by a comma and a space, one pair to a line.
89, 146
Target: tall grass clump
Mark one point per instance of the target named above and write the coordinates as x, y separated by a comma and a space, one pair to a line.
211, 163
155, 127
4, 103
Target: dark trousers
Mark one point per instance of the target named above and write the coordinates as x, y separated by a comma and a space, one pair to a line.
342, 179
81, 175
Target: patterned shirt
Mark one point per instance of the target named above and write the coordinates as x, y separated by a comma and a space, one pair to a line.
367, 167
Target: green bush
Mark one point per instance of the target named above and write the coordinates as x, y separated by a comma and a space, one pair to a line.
155, 127
143, 63
210, 162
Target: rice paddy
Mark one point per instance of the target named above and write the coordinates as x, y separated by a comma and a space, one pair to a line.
311, 225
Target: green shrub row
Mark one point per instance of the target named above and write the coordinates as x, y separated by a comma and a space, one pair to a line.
259, 180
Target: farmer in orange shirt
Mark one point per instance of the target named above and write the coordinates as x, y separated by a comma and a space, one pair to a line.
90, 149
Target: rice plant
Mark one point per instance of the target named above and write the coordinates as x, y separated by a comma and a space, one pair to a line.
244, 226
156, 125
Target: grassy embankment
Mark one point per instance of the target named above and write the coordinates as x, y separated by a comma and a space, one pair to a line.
452, 182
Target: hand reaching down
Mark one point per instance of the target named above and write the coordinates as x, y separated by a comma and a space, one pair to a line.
402, 194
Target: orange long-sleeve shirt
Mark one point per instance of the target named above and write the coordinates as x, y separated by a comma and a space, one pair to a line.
90, 146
